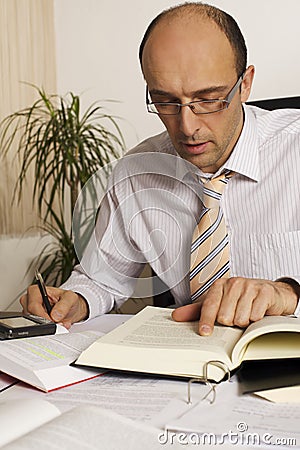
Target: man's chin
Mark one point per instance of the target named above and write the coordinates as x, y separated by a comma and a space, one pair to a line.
196, 160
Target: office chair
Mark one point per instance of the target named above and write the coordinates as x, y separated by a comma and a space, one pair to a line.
165, 298
277, 103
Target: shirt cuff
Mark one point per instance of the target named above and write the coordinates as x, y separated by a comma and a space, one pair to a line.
297, 310
89, 291
296, 287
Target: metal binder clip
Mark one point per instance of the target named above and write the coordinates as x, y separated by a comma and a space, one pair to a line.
204, 379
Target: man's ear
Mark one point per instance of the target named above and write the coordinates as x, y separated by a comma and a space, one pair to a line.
247, 83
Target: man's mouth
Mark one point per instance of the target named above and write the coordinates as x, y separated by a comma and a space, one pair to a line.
195, 148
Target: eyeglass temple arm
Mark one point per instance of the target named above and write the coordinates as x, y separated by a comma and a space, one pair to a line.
147, 95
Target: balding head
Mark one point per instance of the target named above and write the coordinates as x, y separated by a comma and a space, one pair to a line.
201, 12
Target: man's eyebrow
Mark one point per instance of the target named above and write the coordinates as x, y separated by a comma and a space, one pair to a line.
198, 94
210, 90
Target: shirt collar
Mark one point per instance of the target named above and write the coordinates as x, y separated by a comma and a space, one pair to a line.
244, 158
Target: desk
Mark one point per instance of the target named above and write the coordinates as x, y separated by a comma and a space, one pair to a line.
148, 401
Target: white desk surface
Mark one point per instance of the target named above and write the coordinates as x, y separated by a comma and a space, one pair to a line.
104, 323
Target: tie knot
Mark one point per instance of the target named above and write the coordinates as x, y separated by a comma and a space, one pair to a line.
214, 188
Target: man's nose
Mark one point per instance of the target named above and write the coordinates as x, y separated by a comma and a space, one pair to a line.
189, 121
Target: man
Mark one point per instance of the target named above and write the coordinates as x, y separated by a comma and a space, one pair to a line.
193, 59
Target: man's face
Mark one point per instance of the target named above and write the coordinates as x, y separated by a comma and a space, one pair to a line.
188, 61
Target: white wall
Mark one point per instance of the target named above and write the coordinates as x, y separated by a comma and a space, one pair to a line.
17, 254
97, 46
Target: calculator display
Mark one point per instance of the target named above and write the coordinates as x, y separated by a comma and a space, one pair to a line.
16, 322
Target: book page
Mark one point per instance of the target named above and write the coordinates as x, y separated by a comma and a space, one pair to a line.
45, 352
244, 418
18, 417
93, 428
155, 328
268, 324
44, 362
275, 345
140, 398
152, 342
289, 394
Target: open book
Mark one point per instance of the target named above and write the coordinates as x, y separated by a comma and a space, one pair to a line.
44, 361
151, 342
37, 424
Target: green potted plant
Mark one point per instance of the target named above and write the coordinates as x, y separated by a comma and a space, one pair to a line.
66, 147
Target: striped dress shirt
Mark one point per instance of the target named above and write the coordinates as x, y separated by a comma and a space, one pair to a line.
153, 203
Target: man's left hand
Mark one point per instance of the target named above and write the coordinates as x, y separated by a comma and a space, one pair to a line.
238, 301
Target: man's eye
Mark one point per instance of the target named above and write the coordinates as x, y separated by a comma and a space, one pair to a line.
206, 99
162, 105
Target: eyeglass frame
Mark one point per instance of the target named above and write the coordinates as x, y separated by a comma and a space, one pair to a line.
226, 101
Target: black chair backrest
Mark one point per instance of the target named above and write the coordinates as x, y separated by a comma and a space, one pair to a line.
277, 103
162, 297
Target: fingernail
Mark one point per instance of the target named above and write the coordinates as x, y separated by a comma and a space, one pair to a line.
205, 330
57, 316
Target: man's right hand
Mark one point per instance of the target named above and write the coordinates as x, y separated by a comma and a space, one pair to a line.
67, 306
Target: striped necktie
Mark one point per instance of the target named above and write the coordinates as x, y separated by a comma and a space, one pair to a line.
209, 251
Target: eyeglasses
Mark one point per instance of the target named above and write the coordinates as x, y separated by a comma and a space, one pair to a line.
198, 107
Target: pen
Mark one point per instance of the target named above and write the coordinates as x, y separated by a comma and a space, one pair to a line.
43, 291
